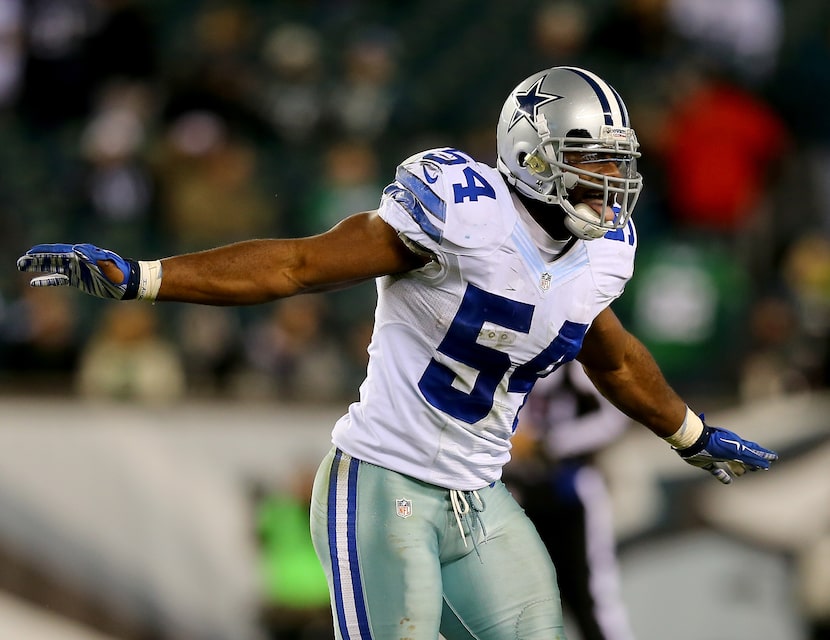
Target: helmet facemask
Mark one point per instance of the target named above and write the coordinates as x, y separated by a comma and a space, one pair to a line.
562, 167
563, 138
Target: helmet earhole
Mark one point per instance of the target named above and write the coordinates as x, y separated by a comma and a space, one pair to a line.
520, 158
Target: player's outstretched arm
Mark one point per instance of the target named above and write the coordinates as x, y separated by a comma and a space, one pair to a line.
360, 247
625, 372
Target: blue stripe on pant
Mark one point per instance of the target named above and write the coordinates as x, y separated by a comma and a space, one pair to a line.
349, 601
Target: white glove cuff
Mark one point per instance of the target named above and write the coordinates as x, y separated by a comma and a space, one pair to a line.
688, 433
149, 279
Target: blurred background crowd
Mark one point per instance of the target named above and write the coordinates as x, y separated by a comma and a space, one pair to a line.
160, 127
157, 127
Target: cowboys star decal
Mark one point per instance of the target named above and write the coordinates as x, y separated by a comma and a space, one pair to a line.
528, 103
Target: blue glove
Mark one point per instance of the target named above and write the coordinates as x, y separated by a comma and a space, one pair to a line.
725, 454
75, 265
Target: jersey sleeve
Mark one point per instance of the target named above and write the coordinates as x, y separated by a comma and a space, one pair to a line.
444, 201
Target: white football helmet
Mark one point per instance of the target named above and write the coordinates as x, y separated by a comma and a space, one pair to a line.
559, 117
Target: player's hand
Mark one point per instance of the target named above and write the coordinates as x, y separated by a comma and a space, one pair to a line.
726, 455
95, 271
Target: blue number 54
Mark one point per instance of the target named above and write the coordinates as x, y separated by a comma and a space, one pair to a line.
461, 344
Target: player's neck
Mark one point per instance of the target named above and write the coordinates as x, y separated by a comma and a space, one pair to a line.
551, 246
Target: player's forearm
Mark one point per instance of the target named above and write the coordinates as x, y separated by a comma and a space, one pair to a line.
249, 272
638, 388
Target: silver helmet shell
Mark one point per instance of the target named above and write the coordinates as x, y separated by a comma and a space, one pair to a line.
564, 113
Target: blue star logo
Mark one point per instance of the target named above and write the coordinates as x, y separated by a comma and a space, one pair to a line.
528, 103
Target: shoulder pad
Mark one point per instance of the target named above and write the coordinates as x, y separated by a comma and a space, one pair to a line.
612, 258
461, 205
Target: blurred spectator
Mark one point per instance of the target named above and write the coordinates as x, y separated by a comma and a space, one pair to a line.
721, 144
289, 354
291, 97
554, 476
560, 32
778, 361
57, 82
123, 45
742, 36
292, 91
349, 181
212, 65
209, 341
723, 148
119, 187
648, 37
76, 46
41, 339
210, 193
128, 360
806, 272
556, 32
364, 99
801, 92
296, 595
11, 50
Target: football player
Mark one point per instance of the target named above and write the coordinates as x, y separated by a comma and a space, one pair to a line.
555, 475
487, 279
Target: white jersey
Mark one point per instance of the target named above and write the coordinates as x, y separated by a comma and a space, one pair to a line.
459, 343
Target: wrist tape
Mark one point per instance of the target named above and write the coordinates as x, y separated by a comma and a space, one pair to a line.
144, 280
149, 280
688, 433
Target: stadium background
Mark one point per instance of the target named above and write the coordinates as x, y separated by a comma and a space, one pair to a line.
135, 436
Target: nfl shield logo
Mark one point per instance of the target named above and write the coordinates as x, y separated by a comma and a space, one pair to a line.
403, 507
544, 282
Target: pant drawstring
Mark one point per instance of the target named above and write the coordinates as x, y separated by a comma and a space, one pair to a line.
467, 506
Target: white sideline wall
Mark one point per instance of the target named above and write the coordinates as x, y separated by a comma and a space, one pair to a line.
149, 507
22, 620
